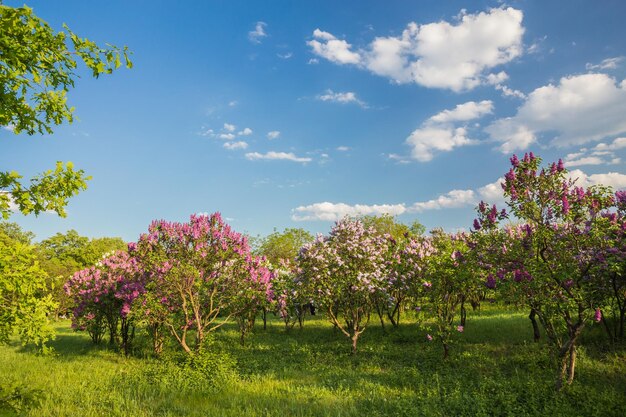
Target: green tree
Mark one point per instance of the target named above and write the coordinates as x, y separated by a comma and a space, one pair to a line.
24, 307
37, 69
283, 245
15, 232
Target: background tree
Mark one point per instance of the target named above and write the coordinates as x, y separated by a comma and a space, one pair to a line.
283, 246
24, 305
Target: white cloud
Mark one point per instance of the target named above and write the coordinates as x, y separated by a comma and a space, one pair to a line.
619, 143
232, 103
328, 46
285, 55
609, 63
258, 33
491, 193
229, 128
508, 92
426, 140
611, 179
10, 127
274, 134
246, 132
335, 211
207, 132
587, 160
337, 97
464, 112
580, 109
601, 154
442, 132
452, 199
226, 136
436, 55
313, 61
233, 146
343, 148
285, 156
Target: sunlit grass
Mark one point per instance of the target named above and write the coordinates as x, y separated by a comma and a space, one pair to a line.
494, 369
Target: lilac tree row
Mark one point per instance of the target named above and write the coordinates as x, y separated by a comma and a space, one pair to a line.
560, 254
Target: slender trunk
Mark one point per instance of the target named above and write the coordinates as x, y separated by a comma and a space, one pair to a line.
608, 330
533, 320
572, 364
562, 372
380, 316
354, 338
622, 318
463, 311
264, 318
446, 349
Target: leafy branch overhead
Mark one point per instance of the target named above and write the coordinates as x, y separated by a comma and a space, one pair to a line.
37, 69
47, 192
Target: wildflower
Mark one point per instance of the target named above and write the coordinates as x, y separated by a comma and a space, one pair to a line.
429, 337
459, 329
598, 316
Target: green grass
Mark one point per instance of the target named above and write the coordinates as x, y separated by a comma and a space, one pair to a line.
494, 370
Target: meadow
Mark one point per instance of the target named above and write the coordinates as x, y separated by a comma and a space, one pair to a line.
495, 369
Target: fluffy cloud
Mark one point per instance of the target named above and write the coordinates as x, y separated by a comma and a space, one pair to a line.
285, 156
229, 128
580, 109
464, 112
426, 140
332, 212
233, 146
452, 199
337, 97
226, 136
611, 179
274, 134
246, 132
343, 148
437, 55
491, 193
601, 154
335, 50
441, 132
258, 33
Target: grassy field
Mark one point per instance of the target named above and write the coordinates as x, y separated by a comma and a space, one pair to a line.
494, 370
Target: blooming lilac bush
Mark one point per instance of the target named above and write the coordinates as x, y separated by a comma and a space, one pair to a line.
551, 257
102, 296
346, 269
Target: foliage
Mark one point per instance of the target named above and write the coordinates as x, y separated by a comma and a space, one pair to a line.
38, 68
23, 306
283, 246
47, 192
15, 232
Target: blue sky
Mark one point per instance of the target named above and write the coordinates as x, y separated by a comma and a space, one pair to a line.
292, 114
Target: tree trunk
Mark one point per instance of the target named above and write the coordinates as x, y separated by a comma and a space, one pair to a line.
533, 320
446, 349
264, 318
354, 338
608, 330
572, 364
463, 312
